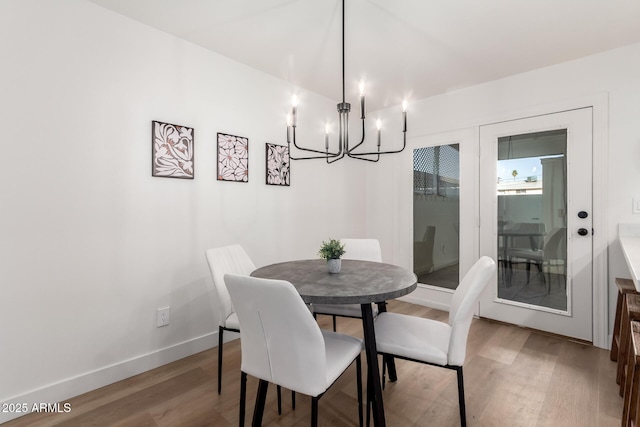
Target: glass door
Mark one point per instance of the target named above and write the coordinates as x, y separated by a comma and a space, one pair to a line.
536, 190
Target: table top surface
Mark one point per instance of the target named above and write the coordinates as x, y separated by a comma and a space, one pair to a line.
359, 282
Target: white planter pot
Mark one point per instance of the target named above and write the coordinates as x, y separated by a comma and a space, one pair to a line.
334, 265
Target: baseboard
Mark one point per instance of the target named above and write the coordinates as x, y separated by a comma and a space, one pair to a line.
83, 383
425, 297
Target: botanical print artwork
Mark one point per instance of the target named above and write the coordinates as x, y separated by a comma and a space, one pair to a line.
172, 150
233, 158
278, 171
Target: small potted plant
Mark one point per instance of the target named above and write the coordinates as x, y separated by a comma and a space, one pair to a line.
332, 251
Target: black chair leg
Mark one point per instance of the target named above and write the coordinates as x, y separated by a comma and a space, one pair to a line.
369, 397
261, 397
220, 332
335, 325
314, 412
293, 400
359, 387
463, 413
279, 393
384, 371
243, 396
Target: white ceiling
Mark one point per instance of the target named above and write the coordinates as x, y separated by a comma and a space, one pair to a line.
402, 48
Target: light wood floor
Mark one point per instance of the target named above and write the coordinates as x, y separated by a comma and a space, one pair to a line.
513, 377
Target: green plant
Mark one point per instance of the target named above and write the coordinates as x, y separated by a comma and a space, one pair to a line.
332, 249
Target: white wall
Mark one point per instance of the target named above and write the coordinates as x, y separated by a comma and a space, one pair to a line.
616, 72
90, 243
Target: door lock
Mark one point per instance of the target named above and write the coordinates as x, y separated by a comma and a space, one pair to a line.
583, 231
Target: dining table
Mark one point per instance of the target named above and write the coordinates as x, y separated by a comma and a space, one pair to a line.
358, 282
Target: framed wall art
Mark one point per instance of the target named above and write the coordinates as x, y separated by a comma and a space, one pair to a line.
171, 150
233, 158
278, 165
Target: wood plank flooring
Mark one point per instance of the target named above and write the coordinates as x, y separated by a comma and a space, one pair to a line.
513, 377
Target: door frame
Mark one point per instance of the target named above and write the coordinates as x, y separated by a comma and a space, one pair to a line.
599, 103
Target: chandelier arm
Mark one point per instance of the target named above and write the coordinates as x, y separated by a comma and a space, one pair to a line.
335, 159
361, 140
357, 157
404, 144
310, 150
324, 153
325, 156
310, 157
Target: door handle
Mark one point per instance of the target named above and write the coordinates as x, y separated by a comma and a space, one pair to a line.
583, 231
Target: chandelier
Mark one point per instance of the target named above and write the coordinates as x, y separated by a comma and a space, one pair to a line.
343, 133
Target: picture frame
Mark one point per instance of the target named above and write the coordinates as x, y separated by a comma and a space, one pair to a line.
172, 150
232, 158
278, 165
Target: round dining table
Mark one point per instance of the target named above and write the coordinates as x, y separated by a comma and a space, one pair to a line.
358, 282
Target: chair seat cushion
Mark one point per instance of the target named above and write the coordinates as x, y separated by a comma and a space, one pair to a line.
345, 310
232, 322
413, 337
340, 350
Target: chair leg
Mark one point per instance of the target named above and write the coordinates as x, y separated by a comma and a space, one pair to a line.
463, 413
261, 397
369, 396
384, 370
279, 393
359, 388
391, 369
243, 396
293, 400
314, 411
335, 328
220, 332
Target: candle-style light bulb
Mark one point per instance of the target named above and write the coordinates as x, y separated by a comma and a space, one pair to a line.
361, 85
326, 136
404, 115
294, 110
289, 120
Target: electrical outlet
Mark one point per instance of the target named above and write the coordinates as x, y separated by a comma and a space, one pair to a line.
163, 316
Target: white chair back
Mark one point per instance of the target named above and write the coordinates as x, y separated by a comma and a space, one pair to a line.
362, 249
463, 304
280, 339
227, 259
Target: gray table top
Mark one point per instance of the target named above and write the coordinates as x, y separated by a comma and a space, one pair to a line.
359, 282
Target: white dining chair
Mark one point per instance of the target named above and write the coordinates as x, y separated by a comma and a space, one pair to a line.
282, 344
223, 260
355, 249
433, 342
